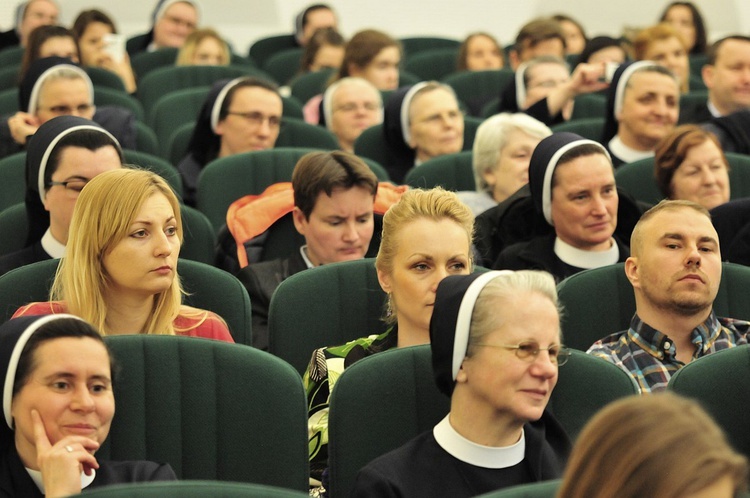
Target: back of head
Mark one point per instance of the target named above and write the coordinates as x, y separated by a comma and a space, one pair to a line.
324, 172
657, 445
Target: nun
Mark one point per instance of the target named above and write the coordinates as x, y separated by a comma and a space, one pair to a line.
239, 115
421, 122
496, 349
64, 154
572, 185
58, 406
643, 105
172, 21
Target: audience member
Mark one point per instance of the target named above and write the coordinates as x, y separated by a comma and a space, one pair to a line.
64, 155
334, 193
350, 106
575, 35
29, 15
204, 47
663, 45
325, 50
240, 115
691, 166
688, 21
93, 30
58, 405
501, 155
496, 350
664, 445
49, 41
480, 52
426, 237
727, 77
53, 87
421, 122
544, 89
675, 270
313, 18
536, 38
573, 185
603, 49
642, 108
120, 268
172, 21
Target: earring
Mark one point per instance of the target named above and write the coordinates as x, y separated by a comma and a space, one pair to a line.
389, 305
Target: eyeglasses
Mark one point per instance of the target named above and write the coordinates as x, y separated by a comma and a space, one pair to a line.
180, 22
351, 107
75, 185
66, 110
529, 350
257, 119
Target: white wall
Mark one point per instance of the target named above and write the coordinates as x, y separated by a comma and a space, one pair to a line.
243, 21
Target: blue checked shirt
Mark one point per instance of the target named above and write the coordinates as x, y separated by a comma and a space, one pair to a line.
650, 356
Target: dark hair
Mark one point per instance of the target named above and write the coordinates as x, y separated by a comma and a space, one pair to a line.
701, 42
363, 47
599, 43
318, 172
90, 16
250, 81
563, 17
463, 50
55, 329
304, 17
37, 38
321, 38
671, 151
537, 31
713, 50
86, 139
576, 152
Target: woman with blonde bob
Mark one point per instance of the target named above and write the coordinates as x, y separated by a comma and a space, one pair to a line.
204, 47
120, 269
661, 445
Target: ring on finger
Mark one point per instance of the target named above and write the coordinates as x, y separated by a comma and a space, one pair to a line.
69, 448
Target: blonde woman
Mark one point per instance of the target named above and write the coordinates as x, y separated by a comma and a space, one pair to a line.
204, 47
120, 268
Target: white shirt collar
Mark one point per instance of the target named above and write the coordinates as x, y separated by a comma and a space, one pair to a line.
303, 252
713, 110
36, 476
586, 259
52, 246
627, 154
487, 457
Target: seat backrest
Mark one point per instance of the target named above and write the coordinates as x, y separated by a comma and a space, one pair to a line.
585, 295
264, 48
11, 56
104, 78
393, 394
283, 65
720, 382
199, 239
8, 101
174, 110
297, 133
145, 139
433, 64
226, 179
145, 62
452, 172
104, 95
8, 77
589, 105
308, 85
192, 489
591, 128
12, 179
212, 410
207, 287
13, 221
414, 44
478, 85
157, 165
324, 306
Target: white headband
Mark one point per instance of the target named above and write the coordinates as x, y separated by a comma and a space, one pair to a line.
520, 85
623, 82
168, 3
37, 88
216, 109
405, 104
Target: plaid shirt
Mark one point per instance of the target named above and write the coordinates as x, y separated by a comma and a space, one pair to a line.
650, 356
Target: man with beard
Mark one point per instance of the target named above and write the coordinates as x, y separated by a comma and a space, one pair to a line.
675, 270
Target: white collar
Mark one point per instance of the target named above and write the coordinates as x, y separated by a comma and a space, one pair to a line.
52, 246
586, 259
303, 252
36, 476
487, 457
713, 110
627, 154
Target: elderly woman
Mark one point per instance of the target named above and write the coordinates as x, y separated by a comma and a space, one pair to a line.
239, 115
421, 122
350, 106
496, 350
664, 45
690, 165
642, 108
502, 151
172, 21
426, 237
204, 47
58, 406
572, 185
662, 445
120, 271
64, 154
